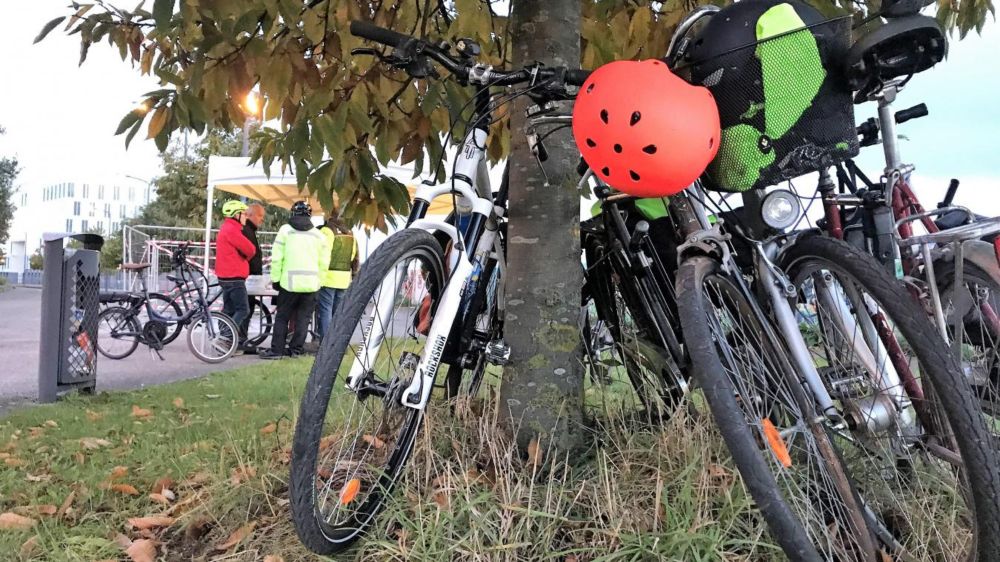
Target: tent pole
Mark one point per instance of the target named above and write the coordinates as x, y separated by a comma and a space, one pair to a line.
208, 226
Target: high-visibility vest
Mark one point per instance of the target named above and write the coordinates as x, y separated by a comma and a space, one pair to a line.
343, 250
297, 259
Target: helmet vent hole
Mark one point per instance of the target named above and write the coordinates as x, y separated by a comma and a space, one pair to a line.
591, 143
633, 175
604, 116
606, 171
636, 116
590, 88
618, 148
711, 142
649, 149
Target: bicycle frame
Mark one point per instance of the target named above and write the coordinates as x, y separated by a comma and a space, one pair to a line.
470, 183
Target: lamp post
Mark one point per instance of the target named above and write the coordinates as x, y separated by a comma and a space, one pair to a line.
148, 183
253, 107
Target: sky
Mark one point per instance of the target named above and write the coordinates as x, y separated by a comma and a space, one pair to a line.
60, 118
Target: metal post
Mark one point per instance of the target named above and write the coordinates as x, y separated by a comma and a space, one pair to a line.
208, 225
48, 348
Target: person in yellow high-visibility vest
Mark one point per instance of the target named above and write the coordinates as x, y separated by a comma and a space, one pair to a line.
343, 266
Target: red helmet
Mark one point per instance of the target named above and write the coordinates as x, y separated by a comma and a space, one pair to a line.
643, 130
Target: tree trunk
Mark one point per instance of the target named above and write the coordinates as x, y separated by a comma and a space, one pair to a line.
543, 385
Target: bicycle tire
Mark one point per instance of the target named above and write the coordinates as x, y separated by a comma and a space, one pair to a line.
231, 345
315, 531
947, 387
721, 396
266, 323
128, 317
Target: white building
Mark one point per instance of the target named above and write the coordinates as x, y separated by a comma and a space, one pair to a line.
70, 206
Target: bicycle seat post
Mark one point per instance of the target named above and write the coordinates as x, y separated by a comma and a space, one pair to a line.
887, 123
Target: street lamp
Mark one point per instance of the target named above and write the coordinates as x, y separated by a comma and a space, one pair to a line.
253, 105
148, 184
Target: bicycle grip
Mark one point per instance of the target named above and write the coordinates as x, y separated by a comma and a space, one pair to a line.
367, 30
950, 196
577, 76
914, 112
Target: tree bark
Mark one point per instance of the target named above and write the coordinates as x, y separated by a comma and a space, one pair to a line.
543, 385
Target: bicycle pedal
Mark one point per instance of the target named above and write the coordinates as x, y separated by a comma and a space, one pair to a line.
498, 353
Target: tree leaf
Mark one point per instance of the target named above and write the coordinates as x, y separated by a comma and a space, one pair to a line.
142, 550
152, 522
127, 489
48, 27
156, 123
129, 137
237, 536
14, 522
163, 10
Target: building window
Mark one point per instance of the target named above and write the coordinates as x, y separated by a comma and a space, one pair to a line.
100, 192
131, 193
83, 225
76, 208
100, 226
118, 193
93, 208
107, 210
122, 214
69, 225
72, 189
86, 191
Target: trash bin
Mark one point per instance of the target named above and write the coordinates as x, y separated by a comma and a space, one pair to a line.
70, 287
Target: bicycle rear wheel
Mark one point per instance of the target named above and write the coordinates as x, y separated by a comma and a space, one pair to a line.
214, 338
260, 325
350, 447
164, 306
914, 443
117, 332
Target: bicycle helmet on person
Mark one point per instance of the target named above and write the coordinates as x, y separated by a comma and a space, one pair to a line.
233, 207
643, 130
301, 209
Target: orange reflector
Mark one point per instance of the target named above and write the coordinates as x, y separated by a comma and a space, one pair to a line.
350, 491
776, 443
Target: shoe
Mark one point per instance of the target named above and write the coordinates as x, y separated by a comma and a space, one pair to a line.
248, 350
268, 354
295, 352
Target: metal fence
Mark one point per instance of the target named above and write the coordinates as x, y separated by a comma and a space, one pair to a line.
12, 277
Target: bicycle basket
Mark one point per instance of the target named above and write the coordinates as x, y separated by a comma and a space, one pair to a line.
775, 69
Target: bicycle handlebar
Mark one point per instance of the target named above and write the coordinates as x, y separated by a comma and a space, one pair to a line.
413, 48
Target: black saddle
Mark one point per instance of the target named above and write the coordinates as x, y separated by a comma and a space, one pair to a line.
900, 47
123, 297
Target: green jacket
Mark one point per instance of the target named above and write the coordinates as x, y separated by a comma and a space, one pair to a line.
343, 252
300, 252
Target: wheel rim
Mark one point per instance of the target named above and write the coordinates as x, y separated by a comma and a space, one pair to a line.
111, 324
902, 459
796, 453
213, 338
367, 436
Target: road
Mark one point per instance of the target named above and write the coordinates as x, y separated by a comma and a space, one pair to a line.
20, 311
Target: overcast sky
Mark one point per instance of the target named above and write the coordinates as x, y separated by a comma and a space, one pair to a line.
60, 119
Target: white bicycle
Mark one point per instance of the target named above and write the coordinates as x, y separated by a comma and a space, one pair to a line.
431, 294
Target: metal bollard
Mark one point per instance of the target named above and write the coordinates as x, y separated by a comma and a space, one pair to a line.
70, 287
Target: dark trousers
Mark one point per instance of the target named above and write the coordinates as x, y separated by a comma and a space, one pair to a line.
235, 301
297, 307
251, 306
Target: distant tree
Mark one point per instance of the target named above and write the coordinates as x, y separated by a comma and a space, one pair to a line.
8, 173
36, 260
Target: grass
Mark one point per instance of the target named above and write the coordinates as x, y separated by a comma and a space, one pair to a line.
222, 443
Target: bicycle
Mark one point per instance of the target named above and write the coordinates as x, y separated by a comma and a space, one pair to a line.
864, 445
183, 296
421, 300
212, 336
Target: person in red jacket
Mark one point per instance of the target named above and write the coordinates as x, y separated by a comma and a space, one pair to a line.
233, 252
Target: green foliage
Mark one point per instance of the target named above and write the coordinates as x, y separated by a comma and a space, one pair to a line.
36, 260
8, 173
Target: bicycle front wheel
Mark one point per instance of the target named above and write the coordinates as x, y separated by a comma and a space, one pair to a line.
350, 447
213, 339
913, 440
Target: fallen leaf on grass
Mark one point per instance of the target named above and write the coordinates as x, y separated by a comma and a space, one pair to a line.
373, 441
138, 412
150, 522
122, 541
269, 428
94, 416
534, 453
178, 402
30, 547
242, 474
35, 432
162, 483
118, 472
38, 477
237, 536
79, 458
36, 510
15, 462
66, 504
197, 528
51, 423
442, 499
273, 558
91, 443
142, 550
160, 499
326, 442
213, 396
127, 489
14, 522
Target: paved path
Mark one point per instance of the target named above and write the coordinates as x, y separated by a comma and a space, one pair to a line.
20, 310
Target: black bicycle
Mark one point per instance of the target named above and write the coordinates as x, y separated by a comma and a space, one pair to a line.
212, 336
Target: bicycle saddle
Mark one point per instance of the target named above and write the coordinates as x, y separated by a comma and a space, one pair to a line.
175, 279
900, 47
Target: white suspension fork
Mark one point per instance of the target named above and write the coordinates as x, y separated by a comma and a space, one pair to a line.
374, 334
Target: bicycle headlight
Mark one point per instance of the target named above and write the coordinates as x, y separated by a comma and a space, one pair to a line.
780, 209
